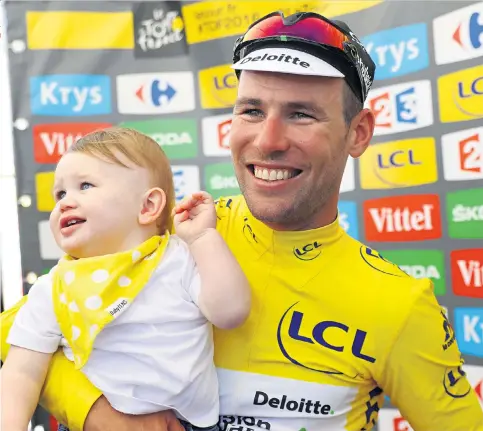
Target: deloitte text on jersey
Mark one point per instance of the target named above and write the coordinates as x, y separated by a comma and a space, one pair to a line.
284, 403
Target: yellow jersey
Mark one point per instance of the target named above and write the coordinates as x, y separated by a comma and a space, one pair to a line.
333, 327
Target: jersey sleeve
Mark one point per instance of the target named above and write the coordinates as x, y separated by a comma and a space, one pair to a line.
35, 326
223, 207
69, 407
423, 374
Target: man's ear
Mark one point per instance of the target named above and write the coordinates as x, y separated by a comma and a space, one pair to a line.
153, 203
361, 132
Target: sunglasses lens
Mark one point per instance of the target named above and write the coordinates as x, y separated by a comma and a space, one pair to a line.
313, 29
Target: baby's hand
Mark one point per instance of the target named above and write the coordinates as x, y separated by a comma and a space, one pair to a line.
194, 215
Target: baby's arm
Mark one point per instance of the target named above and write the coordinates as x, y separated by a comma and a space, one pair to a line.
22, 377
224, 296
33, 338
225, 292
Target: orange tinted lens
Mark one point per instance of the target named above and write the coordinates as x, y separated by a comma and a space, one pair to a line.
311, 28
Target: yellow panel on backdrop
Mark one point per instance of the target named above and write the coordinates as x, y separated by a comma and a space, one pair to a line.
208, 20
44, 186
218, 87
80, 30
404, 163
461, 95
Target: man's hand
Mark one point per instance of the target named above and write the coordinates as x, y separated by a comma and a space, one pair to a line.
102, 417
194, 216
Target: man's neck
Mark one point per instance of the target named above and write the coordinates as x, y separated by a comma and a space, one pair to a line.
323, 220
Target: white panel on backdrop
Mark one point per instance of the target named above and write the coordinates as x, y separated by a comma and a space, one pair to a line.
186, 180
401, 107
216, 135
458, 35
49, 250
348, 180
155, 93
463, 155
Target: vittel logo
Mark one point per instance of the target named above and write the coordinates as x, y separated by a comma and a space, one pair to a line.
471, 272
402, 219
467, 272
408, 218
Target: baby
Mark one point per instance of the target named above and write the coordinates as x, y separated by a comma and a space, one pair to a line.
131, 305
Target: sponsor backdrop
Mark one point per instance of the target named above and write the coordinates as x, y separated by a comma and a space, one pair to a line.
163, 68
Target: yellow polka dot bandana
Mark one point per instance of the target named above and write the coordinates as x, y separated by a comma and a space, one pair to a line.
89, 293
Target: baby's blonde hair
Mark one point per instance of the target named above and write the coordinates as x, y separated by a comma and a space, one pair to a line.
141, 150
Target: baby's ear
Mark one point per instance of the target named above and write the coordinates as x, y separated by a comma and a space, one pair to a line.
152, 205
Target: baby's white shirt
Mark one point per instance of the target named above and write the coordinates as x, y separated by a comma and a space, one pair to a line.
157, 355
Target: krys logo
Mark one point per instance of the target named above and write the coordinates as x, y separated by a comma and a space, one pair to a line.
469, 330
299, 332
461, 95
401, 107
458, 35
309, 251
407, 163
398, 51
218, 87
70, 95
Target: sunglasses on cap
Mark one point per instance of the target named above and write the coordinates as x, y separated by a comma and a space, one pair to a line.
331, 41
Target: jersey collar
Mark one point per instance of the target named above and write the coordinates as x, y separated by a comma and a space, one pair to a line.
302, 245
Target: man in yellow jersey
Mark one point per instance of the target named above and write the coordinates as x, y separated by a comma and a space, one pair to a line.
334, 326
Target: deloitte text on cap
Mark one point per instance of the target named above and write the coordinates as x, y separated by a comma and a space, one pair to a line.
286, 61
311, 44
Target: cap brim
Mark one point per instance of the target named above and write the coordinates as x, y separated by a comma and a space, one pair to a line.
285, 60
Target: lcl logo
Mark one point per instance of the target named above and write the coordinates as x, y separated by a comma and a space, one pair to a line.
308, 251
